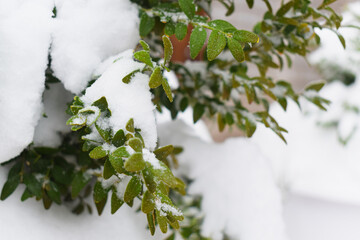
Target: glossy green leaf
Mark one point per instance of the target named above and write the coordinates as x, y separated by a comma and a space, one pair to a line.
101, 205
169, 28
188, 7
236, 49
132, 189
155, 78
135, 163
54, 192
197, 41
216, 44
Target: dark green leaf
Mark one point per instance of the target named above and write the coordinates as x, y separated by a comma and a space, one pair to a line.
222, 25
151, 223
146, 24
169, 28
54, 192
116, 202
317, 86
119, 138
108, 169
101, 104
128, 77
148, 202
100, 206
199, 110
99, 192
10, 186
78, 183
250, 3
33, 185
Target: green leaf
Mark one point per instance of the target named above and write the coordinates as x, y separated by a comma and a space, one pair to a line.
163, 152
164, 174
98, 153
46, 200
128, 77
180, 30
168, 49
167, 89
130, 125
317, 86
284, 9
236, 49
216, 44
169, 28
144, 56
221, 25
148, 202
108, 169
119, 138
26, 194
199, 110
54, 192
136, 144
146, 24
220, 122
33, 185
132, 189
342, 40
144, 45
250, 3
116, 203
9, 187
99, 192
78, 183
162, 222
155, 78
188, 7
120, 152
104, 133
197, 41
135, 163
149, 179
100, 205
246, 36
101, 104
151, 223
117, 163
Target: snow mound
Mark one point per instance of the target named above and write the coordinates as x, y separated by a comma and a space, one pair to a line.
88, 32
236, 182
25, 39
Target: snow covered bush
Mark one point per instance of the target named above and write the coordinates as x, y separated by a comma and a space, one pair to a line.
52, 51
